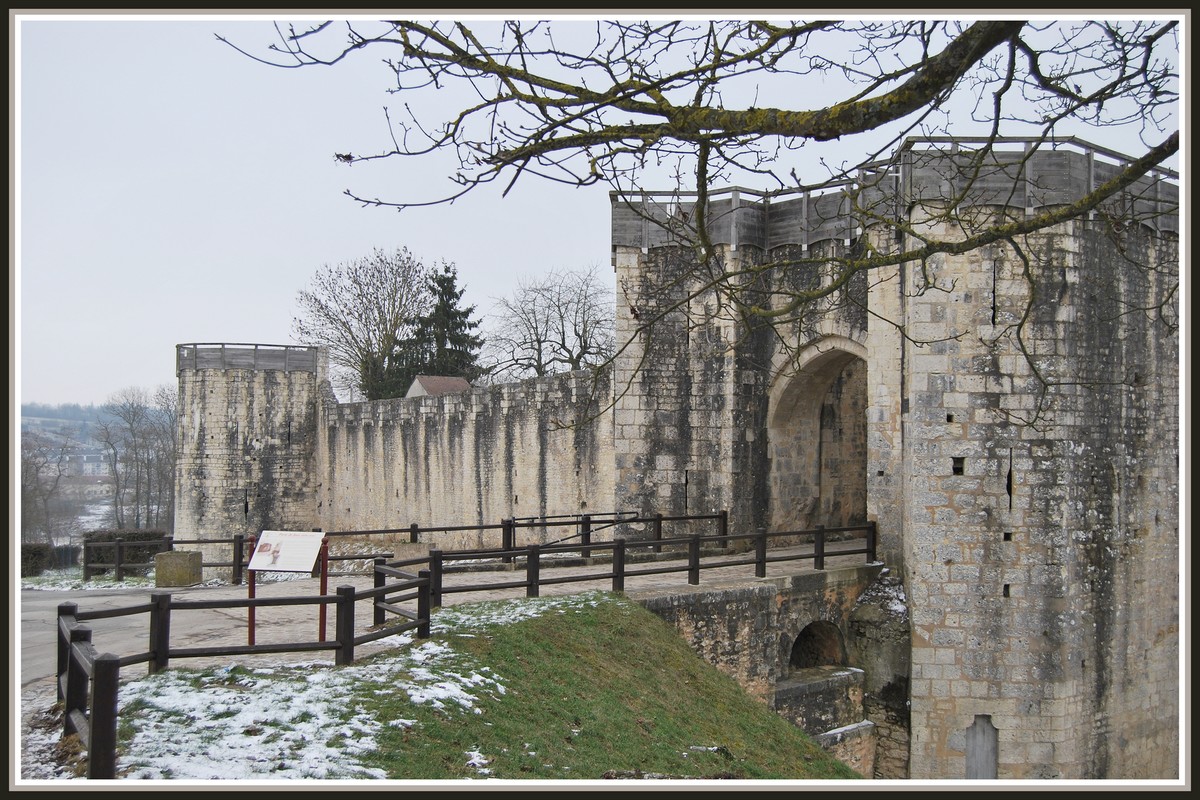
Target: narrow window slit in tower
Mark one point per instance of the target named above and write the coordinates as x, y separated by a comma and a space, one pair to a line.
1008, 481
994, 291
957, 465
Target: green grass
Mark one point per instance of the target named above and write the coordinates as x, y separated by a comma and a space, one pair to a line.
585, 687
599, 689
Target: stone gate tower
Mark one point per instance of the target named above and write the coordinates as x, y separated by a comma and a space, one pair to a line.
1006, 411
1007, 415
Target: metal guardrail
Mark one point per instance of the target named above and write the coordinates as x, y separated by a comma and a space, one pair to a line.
217, 355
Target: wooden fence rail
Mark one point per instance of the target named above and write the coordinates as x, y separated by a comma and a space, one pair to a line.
580, 527
83, 674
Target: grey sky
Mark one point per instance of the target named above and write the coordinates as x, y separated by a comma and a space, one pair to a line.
175, 191
172, 190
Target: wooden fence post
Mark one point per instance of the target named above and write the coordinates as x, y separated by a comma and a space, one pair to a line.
694, 560
532, 571
380, 582
251, 621
619, 565
585, 534
118, 558
414, 533
323, 565
239, 553
424, 603
658, 520
87, 561
723, 528
64, 644
435, 578
507, 538
872, 539
819, 548
102, 744
344, 626
160, 631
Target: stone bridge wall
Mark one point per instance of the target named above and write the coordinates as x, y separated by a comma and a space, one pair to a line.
747, 629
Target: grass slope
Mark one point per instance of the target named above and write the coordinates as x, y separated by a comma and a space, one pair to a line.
576, 688
599, 689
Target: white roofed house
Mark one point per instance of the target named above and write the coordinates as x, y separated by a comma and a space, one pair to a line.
437, 385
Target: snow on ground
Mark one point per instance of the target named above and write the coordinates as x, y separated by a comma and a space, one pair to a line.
260, 722
71, 580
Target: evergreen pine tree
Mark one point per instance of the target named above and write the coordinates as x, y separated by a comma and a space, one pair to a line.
444, 342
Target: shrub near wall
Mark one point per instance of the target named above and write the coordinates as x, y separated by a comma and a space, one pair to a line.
34, 559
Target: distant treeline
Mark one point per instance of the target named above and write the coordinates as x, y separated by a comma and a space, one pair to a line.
66, 411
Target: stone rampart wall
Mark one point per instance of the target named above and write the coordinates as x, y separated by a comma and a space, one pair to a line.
539, 447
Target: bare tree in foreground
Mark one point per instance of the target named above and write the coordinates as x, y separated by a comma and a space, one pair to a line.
560, 322
777, 106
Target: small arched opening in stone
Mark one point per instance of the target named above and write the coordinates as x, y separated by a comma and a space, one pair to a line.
820, 644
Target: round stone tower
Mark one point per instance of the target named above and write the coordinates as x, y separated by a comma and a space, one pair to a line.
247, 436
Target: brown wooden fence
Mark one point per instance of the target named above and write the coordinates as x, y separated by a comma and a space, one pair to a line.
88, 680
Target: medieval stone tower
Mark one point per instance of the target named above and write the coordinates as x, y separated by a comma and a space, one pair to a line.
1008, 416
247, 438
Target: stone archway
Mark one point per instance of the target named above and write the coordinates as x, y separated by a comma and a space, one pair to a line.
817, 432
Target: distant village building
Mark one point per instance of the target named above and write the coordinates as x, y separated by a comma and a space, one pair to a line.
88, 462
436, 386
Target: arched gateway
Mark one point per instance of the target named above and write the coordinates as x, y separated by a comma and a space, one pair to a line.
817, 435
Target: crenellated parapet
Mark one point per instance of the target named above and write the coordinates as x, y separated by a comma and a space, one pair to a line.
1024, 175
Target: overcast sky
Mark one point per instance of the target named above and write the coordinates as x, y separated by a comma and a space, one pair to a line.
172, 190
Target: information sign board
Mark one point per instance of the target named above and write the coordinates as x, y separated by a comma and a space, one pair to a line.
286, 551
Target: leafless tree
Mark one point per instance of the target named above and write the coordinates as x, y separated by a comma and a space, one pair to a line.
43, 467
821, 106
362, 310
164, 447
137, 433
562, 321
